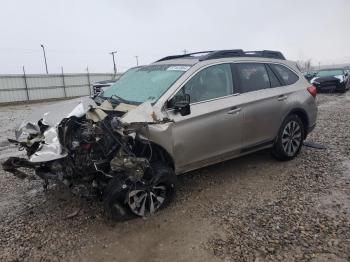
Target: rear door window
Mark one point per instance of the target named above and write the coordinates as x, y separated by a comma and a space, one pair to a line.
252, 77
287, 75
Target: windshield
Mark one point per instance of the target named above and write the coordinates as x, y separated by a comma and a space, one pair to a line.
147, 83
325, 73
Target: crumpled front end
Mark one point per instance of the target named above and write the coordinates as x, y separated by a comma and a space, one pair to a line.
85, 145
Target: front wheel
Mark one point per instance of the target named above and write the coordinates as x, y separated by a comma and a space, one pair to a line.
290, 138
153, 192
125, 198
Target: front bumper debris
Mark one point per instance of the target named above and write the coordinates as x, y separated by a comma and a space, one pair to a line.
13, 163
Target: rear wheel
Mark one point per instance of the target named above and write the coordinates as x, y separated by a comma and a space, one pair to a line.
290, 138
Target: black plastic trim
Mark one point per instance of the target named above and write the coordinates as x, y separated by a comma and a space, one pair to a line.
257, 146
273, 71
228, 53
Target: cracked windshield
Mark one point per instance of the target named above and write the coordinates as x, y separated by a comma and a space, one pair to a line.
146, 83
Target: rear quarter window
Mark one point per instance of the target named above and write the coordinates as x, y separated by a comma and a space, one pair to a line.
285, 74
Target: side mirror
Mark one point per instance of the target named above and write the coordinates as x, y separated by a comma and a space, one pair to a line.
181, 104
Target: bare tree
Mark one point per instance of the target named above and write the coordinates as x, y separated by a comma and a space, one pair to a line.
304, 65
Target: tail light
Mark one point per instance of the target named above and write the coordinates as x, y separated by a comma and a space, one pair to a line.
312, 90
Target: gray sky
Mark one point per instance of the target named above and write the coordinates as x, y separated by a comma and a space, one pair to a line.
80, 33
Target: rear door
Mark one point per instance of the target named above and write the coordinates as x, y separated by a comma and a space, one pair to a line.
213, 129
263, 104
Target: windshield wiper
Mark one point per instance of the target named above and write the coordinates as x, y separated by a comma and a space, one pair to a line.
112, 98
116, 98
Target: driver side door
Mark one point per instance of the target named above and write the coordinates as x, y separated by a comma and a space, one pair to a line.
212, 131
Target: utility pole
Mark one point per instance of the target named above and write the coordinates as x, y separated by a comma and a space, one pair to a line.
42, 46
64, 83
25, 83
137, 60
114, 67
88, 78
184, 51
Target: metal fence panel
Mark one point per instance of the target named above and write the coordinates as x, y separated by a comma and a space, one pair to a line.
75, 79
40, 94
44, 81
95, 78
77, 85
12, 96
11, 82
36, 87
78, 90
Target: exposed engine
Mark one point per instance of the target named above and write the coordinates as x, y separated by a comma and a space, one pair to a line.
92, 151
99, 151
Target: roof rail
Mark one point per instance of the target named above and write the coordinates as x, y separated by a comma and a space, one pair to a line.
222, 54
228, 53
184, 55
267, 54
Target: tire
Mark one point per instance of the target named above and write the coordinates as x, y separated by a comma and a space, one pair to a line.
124, 199
158, 187
290, 138
114, 199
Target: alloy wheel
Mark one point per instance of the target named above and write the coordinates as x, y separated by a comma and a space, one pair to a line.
291, 138
146, 198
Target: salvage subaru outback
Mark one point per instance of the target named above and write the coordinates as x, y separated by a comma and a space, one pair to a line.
181, 113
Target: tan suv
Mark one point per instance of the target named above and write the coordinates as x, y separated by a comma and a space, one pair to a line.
178, 114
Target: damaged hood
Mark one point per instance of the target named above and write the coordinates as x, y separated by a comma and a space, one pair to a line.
42, 124
52, 115
29, 131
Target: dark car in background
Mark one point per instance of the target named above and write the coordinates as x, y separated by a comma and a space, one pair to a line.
100, 86
330, 80
310, 75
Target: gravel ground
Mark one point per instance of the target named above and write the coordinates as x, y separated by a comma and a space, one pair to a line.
309, 217
248, 209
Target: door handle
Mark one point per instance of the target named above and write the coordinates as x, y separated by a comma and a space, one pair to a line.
282, 97
234, 110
